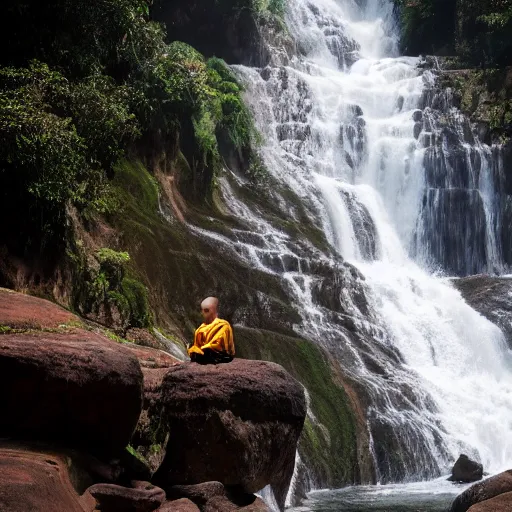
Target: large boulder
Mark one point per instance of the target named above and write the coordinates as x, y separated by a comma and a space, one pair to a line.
237, 423
502, 503
466, 470
116, 498
77, 388
485, 490
37, 482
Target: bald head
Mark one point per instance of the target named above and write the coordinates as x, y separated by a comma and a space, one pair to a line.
209, 309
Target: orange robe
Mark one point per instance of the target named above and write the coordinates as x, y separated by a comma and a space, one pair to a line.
217, 336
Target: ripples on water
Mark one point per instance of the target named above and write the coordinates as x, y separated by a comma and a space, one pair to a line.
435, 496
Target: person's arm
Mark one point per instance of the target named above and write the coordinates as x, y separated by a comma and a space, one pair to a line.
195, 348
220, 341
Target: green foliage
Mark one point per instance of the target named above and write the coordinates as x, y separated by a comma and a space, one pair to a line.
39, 150
137, 296
136, 454
112, 266
427, 25
104, 284
480, 31
485, 96
85, 84
259, 7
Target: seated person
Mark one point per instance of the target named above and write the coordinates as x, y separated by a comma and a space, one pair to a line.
213, 340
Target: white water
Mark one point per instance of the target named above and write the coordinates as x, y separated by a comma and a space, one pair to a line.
342, 136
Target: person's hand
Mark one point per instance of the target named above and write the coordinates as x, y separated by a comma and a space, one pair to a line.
196, 350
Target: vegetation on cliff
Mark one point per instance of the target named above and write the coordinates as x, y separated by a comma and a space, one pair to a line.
478, 31
476, 36
81, 86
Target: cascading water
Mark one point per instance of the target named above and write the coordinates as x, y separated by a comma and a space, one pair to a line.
357, 133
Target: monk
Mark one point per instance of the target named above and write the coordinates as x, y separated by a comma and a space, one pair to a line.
213, 340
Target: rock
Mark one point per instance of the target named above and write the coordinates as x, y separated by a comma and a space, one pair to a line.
237, 423
114, 498
152, 358
502, 503
417, 116
19, 311
143, 337
485, 490
213, 496
182, 505
150, 437
466, 470
36, 482
198, 493
223, 504
418, 127
491, 297
78, 388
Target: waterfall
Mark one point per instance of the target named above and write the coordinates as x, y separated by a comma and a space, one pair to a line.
405, 193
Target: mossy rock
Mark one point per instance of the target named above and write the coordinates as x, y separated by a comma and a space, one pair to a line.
328, 444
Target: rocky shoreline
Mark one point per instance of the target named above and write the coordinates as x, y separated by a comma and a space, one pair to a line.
89, 423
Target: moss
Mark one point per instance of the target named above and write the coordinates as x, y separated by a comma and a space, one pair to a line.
136, 295
301, 229
328, 442
5, 329
155, 449
114, 337
136, 454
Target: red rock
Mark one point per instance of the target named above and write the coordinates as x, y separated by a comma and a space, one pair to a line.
36, 482
236, 423
182, 505
20, 311
223, 504
213, 496
78, 388
149, 438
198, 493
502, 503
482, 491
152, 358
115, 498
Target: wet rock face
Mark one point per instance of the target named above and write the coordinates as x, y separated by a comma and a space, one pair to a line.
236, 423
490, 296
483, 491
466, 470
77, 388
462, 174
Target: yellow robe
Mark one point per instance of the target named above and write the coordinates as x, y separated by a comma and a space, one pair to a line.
216, 336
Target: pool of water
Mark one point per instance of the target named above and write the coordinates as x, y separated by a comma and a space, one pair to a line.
434, 496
